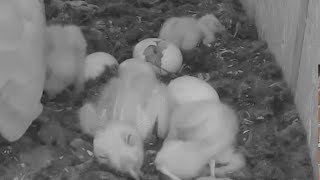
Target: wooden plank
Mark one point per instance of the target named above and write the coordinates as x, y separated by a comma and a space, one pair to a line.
281, 24
306, 93
297, 51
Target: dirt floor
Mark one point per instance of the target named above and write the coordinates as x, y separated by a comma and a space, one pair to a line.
238, 65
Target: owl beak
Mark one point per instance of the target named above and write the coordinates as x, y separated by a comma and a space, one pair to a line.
164, 172
136, 175
155, 128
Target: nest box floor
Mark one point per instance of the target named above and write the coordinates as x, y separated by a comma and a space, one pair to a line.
238, 65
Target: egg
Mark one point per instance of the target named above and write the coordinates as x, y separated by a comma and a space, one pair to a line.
163, 55
186, 89
96, 62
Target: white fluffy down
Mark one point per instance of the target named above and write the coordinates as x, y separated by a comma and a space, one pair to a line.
121, 147
90, 122
188, 89
134, 66
184, 90
209, 25
187, 32
22, 66
66, 52
96, 63
184, 32
194, 140
124, 116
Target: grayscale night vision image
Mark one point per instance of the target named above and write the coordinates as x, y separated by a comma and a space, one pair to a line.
159, 89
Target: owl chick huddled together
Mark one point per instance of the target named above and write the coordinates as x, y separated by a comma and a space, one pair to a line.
187, 113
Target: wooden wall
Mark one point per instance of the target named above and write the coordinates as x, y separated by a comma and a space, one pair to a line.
306, 92
281, 23
291, 28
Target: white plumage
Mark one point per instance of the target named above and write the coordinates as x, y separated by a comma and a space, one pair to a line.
89, 119
186, 89
182, 31
121, 147
187, 32
183, 90
209, 25
201, 133
65, 53
22, 69
96, 64
130, 105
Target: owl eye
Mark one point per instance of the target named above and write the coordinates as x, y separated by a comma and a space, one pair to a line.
104, 157
130, 140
